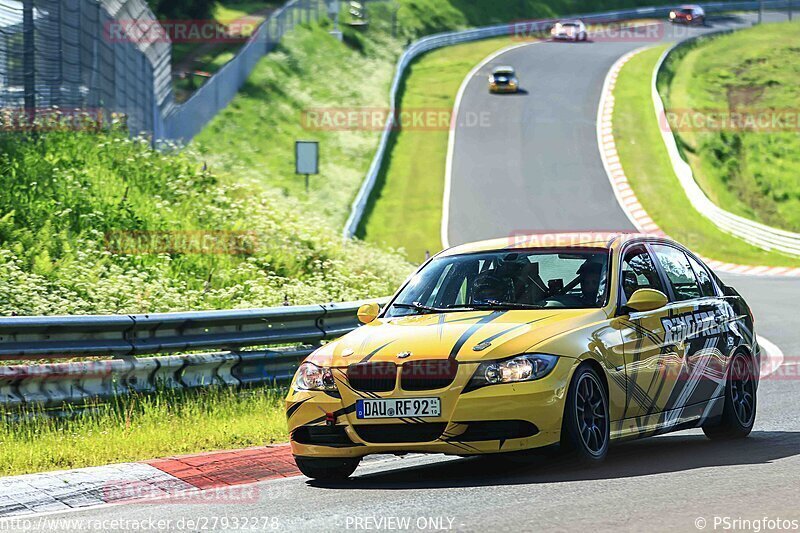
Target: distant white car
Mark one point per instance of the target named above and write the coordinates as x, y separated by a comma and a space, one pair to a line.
569, 30
688, 14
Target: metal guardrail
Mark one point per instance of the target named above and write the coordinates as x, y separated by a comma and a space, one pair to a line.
440, 40
755, 233
125, 337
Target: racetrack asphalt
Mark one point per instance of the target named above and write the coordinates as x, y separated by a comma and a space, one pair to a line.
535, 168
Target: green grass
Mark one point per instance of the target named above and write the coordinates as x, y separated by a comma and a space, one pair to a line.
253, 138
406, 209
647, 166
755, 174
229, 11
135, 428
76, 193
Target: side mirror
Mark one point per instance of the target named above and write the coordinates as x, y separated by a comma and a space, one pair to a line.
647, 300
368, 312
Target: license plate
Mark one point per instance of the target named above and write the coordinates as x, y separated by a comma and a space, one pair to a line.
398, 408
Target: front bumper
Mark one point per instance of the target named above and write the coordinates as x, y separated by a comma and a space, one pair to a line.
491, 419
503, 88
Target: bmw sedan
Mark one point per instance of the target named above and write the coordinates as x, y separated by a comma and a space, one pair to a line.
503, 346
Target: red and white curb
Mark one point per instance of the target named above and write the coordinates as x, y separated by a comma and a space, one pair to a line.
201, 478
625, 194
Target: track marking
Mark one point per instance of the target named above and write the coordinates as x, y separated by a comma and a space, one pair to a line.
774, 357
451, 140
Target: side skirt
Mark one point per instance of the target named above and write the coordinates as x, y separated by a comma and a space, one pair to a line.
687, 417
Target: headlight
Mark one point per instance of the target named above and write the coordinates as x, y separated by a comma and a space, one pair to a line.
312, 377
526, 367
672, 14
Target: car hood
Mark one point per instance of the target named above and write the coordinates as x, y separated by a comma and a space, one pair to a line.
465, 336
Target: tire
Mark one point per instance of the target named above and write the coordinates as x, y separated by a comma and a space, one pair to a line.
586, 430
327, 468
739, 411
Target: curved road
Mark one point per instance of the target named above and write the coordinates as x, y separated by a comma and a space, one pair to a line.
537, 168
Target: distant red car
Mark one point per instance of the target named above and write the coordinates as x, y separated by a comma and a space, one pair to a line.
688, 14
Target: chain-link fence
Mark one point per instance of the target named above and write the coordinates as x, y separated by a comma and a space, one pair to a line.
59, 53
100, 56
184, 121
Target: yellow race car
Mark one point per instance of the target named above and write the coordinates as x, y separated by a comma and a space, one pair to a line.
503, 80
507, 345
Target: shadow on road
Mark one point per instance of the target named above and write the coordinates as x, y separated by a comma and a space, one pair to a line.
659, 455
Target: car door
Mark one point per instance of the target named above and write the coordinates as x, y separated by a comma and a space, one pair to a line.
692, 326
651, 360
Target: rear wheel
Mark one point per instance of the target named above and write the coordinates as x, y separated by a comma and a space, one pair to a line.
586, 427
327, 468
739, 411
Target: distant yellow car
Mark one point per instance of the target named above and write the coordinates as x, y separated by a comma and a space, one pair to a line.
503, 80
510, 345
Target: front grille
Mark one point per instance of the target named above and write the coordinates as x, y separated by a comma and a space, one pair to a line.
372, 377
389, 433
333, 436
429, 374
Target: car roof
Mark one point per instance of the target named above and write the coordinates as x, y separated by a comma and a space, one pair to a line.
503, 68
570, 21
585, 239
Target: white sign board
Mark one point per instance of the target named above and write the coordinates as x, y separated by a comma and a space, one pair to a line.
306, 156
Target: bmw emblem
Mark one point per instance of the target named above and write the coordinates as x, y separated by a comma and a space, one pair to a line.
403, 355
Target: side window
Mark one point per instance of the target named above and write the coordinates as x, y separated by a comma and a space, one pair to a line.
679, 272
706, 285
639, 272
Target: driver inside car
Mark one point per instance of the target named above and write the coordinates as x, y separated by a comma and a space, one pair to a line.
589, 275
490, 287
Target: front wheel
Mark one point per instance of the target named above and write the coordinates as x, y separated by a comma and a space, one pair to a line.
586, 426
739, 411
327, 468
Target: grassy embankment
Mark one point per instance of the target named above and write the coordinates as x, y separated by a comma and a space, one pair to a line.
647, 166
756, 173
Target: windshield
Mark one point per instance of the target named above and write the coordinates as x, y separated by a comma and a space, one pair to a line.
552, 278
